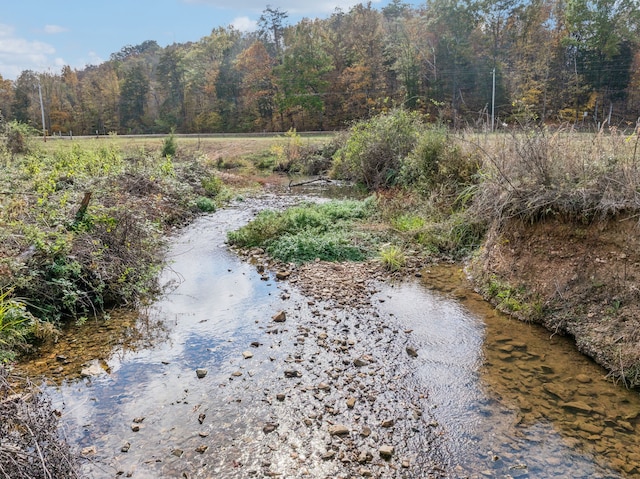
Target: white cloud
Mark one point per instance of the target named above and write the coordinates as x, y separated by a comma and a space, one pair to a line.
244, 24
53, 29
19, 54
293, 7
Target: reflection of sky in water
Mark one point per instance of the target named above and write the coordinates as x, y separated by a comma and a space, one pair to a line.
479, 425
213, 314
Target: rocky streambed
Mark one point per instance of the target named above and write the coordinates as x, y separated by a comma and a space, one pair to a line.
249, 369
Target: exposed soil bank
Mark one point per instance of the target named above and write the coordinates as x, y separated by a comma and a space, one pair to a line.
577, 279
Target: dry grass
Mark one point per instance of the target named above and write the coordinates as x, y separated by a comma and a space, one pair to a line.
577, 176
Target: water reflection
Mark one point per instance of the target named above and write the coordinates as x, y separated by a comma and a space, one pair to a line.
520, 403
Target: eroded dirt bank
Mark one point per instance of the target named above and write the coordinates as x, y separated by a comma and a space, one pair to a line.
578, 279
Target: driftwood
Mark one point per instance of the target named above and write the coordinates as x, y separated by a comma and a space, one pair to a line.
301, 183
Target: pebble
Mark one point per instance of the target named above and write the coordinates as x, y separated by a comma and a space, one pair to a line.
247, 355
279, 317
201, 372
386, 451
338, 430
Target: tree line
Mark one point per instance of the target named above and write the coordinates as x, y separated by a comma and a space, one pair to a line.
458, 61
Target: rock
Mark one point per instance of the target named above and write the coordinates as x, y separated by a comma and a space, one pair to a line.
93, 369
338, 430
328, 455
406, 464
236, 374
135, 427
366, 431
177, 452
138, 420
577, 406
558, 391
388, 423
324, 387
282, 275
201, 417
269, 427
386, 451
201, 372
351, 402
279, 317
203, 434
125, 447
292, 373
87, 451
202, 448
360, 362
364, 472
411, 351
583, 378
280, 397
255, 344
247, 355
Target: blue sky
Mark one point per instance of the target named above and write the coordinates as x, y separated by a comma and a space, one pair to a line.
45, 36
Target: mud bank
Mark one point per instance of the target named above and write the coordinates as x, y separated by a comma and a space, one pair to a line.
574, 278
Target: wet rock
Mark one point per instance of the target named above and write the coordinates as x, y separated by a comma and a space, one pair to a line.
583, 378
558, 391
88, 451
338, 430
91, 370
386, 451
279, 317
578, 406
201, 372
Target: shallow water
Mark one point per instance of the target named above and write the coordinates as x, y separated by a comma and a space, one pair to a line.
513, 400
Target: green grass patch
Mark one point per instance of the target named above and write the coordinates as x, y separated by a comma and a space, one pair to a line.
303, 233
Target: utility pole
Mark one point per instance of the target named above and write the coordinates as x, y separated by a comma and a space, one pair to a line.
44, 128
493, 100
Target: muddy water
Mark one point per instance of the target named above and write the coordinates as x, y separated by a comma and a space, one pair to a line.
510, 400
514, 399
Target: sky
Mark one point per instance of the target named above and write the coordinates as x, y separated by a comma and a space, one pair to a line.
44, 36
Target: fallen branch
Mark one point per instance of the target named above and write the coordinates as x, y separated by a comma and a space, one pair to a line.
322, 178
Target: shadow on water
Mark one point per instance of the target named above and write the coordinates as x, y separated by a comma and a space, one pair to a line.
515, 400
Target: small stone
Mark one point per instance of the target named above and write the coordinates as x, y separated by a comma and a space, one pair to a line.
386, 451
292, 373
324, 387
125, 447
247, 355
328, 455
135, 427
201, 449
280, 397
364, 472
201, 417
411, 351
87, 451
406, 464
201, 372
338, 430
177, 452
366, 431
583, 378
138, 420
269, 427
281, 275
359, 362
279, 317
203, 434
388, 423
351, 402
236, 374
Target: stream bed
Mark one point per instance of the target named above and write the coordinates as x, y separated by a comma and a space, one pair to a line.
479, 395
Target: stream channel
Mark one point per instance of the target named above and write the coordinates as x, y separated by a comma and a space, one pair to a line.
486, 396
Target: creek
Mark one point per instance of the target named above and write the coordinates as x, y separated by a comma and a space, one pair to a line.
509, 399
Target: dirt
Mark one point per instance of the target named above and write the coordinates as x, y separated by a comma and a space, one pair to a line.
582, 280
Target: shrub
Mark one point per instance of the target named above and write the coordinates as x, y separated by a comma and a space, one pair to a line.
374, 152
169, 146
205, 204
